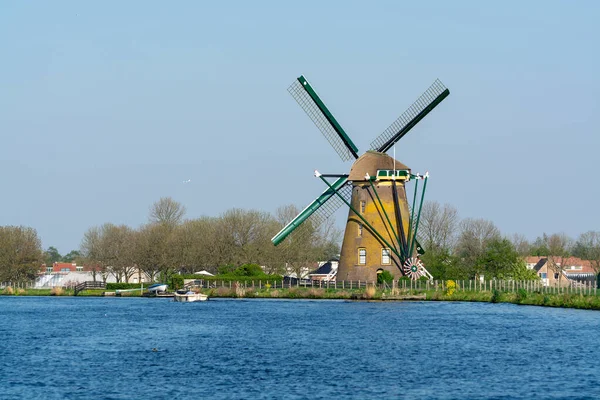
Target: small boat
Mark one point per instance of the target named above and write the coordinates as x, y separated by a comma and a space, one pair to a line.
158, 287
189, 297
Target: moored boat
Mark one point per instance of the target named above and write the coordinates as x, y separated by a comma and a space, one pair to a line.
158, 287
189, 297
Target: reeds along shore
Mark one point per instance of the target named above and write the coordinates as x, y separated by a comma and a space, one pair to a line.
495, 292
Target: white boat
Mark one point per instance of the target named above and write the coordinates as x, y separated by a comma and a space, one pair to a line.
158, 287
190, 296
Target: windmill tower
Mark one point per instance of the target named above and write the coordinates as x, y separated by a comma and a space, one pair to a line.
381, 228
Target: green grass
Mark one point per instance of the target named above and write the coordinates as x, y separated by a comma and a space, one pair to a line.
566, 300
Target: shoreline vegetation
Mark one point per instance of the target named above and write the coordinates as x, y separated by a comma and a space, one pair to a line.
493, 292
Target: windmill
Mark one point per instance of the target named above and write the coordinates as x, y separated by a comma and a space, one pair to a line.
381, 229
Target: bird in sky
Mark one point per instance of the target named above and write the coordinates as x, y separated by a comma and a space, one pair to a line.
187, 181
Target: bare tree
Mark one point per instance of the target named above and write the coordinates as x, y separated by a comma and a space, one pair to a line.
150, 252
167, 211
308, 244
521, 244
475, 235
20, 253
194, 245
90, 250
116, 249
558, 245
248, 234
590, 246
438, 226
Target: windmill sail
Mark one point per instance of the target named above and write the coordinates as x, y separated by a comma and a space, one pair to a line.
420, 108
312, 105
319, 210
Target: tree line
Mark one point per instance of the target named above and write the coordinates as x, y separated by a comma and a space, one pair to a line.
468, 248
168, 243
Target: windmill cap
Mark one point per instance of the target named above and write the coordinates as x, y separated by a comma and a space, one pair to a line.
370, 162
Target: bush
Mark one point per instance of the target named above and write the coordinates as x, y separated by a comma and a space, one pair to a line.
249, 270
56, 291
521, 295
385, 276
236, 278
495, 296
370, 292
122, 286
176, 282
450, 287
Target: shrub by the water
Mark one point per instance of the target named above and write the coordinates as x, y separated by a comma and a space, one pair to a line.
450, 287
521, 295
8, 290
56, 291
385, 276
176, 282
370, 292
495, 296
123, 286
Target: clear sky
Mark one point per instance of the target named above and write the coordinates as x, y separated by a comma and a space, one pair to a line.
107, 106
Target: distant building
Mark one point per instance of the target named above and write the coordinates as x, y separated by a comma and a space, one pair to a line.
69, 274
573, 270
326, 272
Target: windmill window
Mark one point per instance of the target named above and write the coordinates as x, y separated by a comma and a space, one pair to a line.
556, 275
385, 257
362, 206
360, 229
362, 256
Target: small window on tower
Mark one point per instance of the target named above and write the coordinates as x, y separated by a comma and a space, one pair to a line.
360, 229
385, 257
362, 206
362, 256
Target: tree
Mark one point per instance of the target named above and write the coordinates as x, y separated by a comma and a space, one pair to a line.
588, 247
194, 245
539, 248
90, 251
475, 234
116, 250
308, 244
501, 260
558, 246
167, 211
71, 256
51, 256
150, 250
20, 253
438, 226
442, 264
521, 244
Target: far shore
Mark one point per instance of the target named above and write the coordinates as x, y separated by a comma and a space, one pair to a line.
589, 301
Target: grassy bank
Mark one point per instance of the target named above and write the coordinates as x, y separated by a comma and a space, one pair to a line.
566, 300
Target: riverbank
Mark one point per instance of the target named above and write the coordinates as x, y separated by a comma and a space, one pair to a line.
565, 300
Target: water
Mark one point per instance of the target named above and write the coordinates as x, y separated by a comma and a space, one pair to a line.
133, 348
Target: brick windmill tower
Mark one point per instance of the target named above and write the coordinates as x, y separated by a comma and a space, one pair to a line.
381, 229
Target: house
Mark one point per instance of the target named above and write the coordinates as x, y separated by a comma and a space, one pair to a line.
326, 272
573, 270
60, 268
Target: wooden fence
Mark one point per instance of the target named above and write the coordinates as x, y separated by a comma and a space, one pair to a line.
589, 288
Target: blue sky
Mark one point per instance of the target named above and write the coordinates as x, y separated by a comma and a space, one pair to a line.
107, 106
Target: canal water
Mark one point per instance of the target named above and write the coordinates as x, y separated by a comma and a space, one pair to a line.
134, 348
